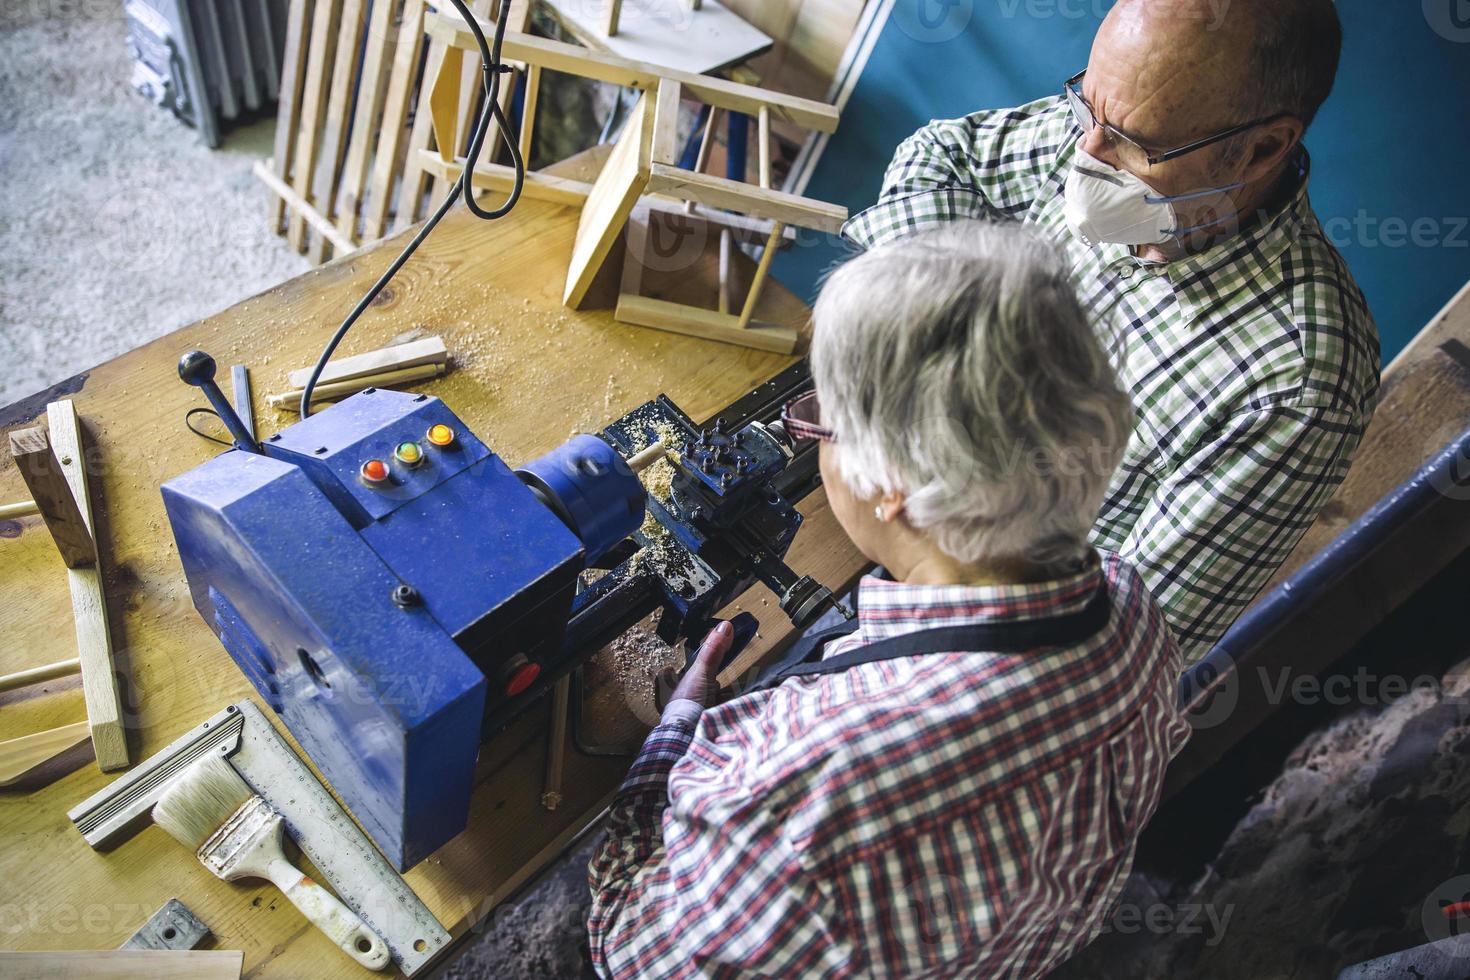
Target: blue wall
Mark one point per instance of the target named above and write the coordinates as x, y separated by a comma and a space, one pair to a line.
1391, 148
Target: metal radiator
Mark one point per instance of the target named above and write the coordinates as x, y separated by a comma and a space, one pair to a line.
209, 61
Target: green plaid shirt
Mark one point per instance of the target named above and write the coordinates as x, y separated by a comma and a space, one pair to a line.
1253, 365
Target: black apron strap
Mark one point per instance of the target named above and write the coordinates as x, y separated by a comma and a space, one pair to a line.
1012, 637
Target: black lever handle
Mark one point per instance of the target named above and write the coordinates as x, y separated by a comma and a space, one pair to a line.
197, 368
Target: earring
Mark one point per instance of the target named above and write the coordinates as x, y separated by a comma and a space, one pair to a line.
878, 512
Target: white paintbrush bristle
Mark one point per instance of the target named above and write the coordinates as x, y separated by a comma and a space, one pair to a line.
202, 798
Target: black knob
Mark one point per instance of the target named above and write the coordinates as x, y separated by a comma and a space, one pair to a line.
196, 368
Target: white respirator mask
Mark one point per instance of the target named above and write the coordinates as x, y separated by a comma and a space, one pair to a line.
1105, 204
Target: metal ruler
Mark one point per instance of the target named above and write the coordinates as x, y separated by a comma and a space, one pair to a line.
360, 876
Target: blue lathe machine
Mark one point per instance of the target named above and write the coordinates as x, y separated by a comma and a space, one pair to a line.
397, 593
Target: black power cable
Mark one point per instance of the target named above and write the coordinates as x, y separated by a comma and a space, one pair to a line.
464, 186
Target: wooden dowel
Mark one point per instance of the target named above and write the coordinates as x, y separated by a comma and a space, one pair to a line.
759, 281
21, 508
556, 743
614, 12
35, 675
726, 286
643, 459
763, 137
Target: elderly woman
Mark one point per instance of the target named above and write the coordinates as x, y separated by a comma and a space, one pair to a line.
956, 788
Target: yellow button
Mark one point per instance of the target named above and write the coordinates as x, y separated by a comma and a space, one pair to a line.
441, 435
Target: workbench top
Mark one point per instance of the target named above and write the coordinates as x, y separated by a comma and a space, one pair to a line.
526, 374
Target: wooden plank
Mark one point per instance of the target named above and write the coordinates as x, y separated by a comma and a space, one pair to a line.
313, 98
390, 379
334, 132
442, 81
371, 87
529, 103
395, 115
429, 350
558, 56
613, 196
38, 675
665, 147
89, 602
288, 110
38, 466
708, 324
722, 192
124, 964
19, 756
302, 208
498, 177
21, 508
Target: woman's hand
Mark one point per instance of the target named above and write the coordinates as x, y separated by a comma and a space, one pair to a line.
700, 682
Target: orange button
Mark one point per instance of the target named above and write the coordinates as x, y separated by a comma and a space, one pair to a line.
523, 677
374, 471
441, 435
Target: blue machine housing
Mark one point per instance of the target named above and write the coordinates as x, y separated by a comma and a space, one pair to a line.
298, 566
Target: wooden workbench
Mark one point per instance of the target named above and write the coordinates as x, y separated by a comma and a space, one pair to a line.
527, 373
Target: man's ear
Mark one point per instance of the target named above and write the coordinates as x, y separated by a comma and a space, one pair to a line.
1271, 144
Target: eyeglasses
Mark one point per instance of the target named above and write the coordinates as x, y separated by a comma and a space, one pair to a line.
803, 420
1129, 147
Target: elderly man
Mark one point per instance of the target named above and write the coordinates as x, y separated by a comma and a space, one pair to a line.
956, 789
1172, 172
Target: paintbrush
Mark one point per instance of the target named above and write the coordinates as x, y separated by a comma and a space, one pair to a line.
237, 834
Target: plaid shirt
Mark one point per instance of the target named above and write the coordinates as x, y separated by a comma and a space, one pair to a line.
948, 815
1253, 365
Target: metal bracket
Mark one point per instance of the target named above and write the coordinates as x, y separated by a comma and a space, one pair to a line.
171, 927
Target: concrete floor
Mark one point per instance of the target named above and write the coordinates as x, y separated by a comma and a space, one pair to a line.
117, 225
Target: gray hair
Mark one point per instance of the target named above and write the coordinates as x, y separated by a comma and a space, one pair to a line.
1293, 62
957, 367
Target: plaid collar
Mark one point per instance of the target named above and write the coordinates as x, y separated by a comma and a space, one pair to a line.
1242, 258
887, 608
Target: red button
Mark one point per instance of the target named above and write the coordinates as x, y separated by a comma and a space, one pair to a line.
523, 677
375, 471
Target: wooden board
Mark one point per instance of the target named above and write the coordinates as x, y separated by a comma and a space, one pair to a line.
124, 964
721, 192
670, 35
430, 350
51, 494
89, 600
325, 19
344, 87
611, 201
395, 115
288, 110
556, 56
528, 374
377, 58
